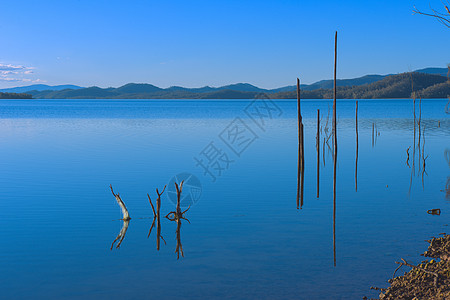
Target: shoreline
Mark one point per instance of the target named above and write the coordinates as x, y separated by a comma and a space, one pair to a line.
428, 280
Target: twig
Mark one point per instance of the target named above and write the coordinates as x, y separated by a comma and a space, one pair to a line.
405, 263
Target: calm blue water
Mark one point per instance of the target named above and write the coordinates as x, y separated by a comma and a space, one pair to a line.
246, 238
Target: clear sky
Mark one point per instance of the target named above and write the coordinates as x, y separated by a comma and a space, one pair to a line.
196, 43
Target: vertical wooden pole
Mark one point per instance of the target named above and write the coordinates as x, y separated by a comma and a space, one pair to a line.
335, 93
299, 116
335, 150
300, 163
318, 150
357, 145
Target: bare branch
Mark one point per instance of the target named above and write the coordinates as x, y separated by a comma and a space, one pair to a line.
405, 263
159, 194
126, 215
444, 18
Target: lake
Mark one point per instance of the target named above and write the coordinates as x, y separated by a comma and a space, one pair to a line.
247, 238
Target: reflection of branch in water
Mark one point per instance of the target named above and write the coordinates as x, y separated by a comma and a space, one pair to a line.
447, 185
407, 158
447, 188
179, 245
423, 158
121, 234
126, 219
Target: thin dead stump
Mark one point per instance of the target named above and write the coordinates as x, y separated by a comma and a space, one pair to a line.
335, 94
335, 151
125, 213
357, 145
156, 216
301, 157
318, 150
177, 216
126, 220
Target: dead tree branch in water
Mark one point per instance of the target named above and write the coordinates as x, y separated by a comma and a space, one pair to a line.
125, 214
177, 216
156, 216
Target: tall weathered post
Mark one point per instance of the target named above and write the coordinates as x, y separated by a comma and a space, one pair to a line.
301, 159
357, 145
335, 150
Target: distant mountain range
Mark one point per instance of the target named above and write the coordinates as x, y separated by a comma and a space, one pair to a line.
40, 87
392, 86
360, 87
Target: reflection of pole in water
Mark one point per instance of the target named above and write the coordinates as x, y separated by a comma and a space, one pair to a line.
357, 145
298, 178
373, 128
318, 150
334, 210
323, 152
423, 157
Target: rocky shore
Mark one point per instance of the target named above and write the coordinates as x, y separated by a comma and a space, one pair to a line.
428, 280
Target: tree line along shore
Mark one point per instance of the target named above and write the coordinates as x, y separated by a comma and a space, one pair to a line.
405, 85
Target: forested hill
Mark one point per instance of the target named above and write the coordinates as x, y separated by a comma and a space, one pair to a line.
14, 96
393, 86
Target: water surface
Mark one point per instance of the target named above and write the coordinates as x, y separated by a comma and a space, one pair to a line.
246, 237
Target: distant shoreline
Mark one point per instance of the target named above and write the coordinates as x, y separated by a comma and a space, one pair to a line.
401, 86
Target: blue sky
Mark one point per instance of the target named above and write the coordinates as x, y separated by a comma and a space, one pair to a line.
196, 43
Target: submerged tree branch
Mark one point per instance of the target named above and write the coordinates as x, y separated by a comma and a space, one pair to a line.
125, 213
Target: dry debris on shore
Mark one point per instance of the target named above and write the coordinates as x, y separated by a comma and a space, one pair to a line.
428, 280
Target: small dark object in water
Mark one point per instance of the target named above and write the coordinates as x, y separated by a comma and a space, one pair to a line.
435, 211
